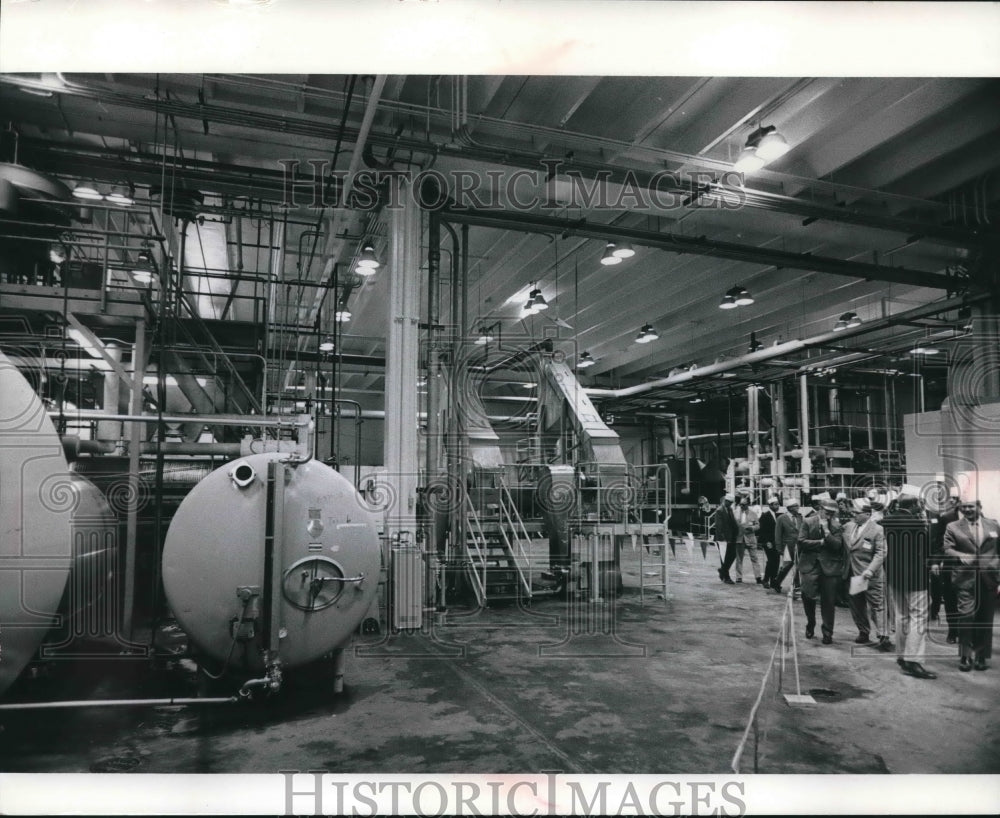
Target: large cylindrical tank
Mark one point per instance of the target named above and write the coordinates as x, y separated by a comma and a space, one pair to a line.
325, 561
36, 505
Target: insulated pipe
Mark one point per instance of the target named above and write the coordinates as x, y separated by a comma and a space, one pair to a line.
115, 703
777, 351
804, 426
215, 420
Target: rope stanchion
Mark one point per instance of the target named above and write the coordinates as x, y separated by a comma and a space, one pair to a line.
786, 632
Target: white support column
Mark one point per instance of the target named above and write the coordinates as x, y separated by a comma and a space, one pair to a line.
111, 429
402, 354
804, 427
753, 426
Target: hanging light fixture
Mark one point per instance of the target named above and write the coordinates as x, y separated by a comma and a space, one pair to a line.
327, 344
122, 198
87, 193
623, 250
924, 349
367, 262
737, 296
748, 161
647, 334
609, 256
343, 313
144, 268
585, 360
728, 301
763, 146
849, 320
537, 300
485, 336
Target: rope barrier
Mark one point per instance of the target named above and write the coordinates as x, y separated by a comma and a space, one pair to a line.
786, 635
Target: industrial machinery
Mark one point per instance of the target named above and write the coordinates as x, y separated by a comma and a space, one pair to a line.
270, 562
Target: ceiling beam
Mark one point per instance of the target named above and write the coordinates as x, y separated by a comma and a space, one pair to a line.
672, 242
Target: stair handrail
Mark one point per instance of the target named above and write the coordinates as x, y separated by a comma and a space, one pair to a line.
511, 516
475, 529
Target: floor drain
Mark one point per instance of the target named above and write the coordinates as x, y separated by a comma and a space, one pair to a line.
824, 694
116, 764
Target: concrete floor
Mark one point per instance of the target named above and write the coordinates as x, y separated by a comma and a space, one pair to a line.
662, 688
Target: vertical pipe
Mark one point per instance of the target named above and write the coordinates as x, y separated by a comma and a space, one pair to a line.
892, 413
432, 448
804, 427
868, 419
110, 429
135, 439
687, 453
922, 395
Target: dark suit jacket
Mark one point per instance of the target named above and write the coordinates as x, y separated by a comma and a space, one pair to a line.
726, 529
768, 522
938, 527
819, 553
984, 563
907, 551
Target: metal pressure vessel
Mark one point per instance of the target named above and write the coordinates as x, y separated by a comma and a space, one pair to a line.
271, 559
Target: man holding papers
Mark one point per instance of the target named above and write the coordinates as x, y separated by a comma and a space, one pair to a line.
865, 543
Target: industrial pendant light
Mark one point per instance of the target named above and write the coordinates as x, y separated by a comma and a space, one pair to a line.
647, 334
585, 360
367, 262
762, 147
87, 193
609, 256
485, 336
623, 250
737, 296
144, 268
538, 300
343, 313
728, 302
849, 320
326, 345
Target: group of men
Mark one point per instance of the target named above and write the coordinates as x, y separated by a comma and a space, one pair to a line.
884, 560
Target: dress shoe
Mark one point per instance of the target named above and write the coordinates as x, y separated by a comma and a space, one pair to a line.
810, 631
827, 639
759, 580
776, 588
952, 639
884, 644
980, 664
724, 576
900, 661
918, 670
863, 639
739, 579
965, 664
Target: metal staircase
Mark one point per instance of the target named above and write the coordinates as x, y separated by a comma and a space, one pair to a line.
497, 565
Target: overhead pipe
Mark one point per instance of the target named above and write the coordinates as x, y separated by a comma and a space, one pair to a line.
506, 156
777, 351
64, 705
214, 420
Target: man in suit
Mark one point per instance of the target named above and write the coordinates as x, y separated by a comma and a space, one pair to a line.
865, 542
766, 539
746, 545
972, 543
786, 532
727, 532
822, 565
942, 590
907, 541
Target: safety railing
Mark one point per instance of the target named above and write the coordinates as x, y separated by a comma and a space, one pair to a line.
511, 519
